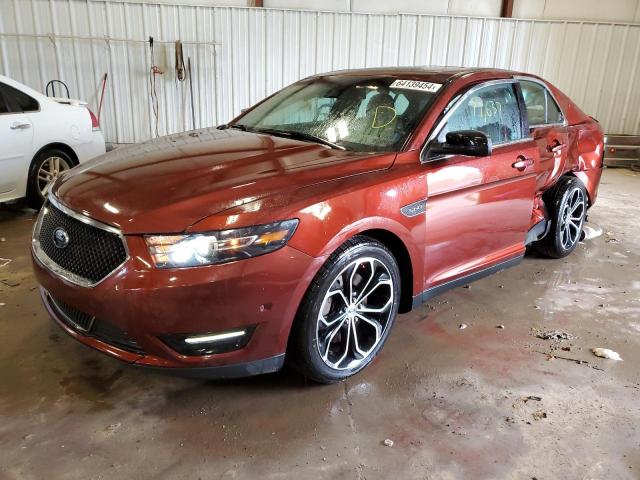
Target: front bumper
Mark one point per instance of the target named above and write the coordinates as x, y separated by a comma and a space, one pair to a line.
148, 303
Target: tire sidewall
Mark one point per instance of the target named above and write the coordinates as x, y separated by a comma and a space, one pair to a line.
34, 197
366, 249
568, 189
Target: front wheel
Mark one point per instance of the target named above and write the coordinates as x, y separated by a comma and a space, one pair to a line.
347, 313
567, 206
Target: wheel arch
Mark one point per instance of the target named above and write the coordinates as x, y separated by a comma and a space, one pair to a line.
59, 146
403, 258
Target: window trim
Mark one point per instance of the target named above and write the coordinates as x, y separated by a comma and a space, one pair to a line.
564, 123
453, 106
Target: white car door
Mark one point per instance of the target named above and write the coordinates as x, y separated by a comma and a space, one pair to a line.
16, 139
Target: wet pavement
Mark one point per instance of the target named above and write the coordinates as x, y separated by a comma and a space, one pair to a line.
482, 402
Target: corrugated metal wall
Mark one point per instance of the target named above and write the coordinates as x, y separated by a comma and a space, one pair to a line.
240, 55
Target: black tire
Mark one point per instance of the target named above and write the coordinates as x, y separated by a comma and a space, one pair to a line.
305, 344
566, 196
35, 198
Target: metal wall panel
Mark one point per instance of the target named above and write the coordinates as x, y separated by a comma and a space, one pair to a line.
241, 55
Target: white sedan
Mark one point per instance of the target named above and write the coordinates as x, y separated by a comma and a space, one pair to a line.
41, 137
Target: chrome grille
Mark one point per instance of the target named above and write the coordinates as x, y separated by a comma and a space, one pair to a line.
92, 250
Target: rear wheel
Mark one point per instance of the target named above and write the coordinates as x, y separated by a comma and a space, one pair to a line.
45, 169
567, 206
347, 313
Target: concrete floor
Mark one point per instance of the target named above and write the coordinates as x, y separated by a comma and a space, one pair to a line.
452, 400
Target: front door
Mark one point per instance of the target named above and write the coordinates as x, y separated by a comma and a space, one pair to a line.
478, 209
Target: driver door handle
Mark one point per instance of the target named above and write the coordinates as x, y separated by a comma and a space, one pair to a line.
20, 125
522, 163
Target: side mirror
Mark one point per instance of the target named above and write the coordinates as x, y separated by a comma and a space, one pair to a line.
472, 143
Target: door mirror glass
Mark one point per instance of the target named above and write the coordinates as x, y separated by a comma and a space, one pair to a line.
472, 143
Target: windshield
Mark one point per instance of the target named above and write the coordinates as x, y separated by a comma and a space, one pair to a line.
352, 112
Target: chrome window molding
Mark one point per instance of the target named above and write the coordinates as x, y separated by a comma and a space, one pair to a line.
450, 109
61, 272
564, 122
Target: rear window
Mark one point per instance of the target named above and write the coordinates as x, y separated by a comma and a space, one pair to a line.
18, 101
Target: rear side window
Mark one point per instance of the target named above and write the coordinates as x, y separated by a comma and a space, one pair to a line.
541, 107
18, 101
3, 106
492, 109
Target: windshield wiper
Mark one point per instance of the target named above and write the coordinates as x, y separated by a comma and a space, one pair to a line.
237, 126
299, 136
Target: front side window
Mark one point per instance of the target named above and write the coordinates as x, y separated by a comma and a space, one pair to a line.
18, 101
492, 109
354, 112
541, 107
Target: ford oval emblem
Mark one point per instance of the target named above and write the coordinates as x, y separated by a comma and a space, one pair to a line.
60, 237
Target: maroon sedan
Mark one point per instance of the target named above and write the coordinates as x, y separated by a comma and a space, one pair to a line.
306, 224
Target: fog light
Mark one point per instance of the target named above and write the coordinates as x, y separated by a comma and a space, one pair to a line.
209, 343
215, 338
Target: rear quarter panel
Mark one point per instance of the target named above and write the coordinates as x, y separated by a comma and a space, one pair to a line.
66, 124
586, 154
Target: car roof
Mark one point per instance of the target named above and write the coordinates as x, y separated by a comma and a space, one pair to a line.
426, 73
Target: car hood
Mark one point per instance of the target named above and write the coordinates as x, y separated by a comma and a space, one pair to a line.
168, 184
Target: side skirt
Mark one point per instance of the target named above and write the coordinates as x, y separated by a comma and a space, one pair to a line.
431, 292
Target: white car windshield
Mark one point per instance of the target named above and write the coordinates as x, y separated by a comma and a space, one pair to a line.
351, 112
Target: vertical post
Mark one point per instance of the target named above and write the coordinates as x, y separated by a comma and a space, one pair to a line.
506, 11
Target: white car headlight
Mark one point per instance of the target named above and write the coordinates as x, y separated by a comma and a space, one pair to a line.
176, 251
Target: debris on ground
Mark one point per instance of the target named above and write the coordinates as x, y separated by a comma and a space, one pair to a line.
551, 356
4, 262
610, 237
532, 397
2, 304
591, 231
557, 335
500, 326
567, 348
539, 415
388, 442
2, 239
606, 353
462, 326
9, 282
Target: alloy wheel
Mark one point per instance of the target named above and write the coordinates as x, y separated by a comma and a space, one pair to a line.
572, 218
49, 171
355, 313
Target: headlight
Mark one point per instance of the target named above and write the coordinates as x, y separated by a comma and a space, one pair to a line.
174, 251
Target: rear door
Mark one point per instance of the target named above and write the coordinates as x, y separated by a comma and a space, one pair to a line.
478, 209
16, 137
549, 130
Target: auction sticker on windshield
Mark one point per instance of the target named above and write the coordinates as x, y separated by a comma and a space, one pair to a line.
416, 85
